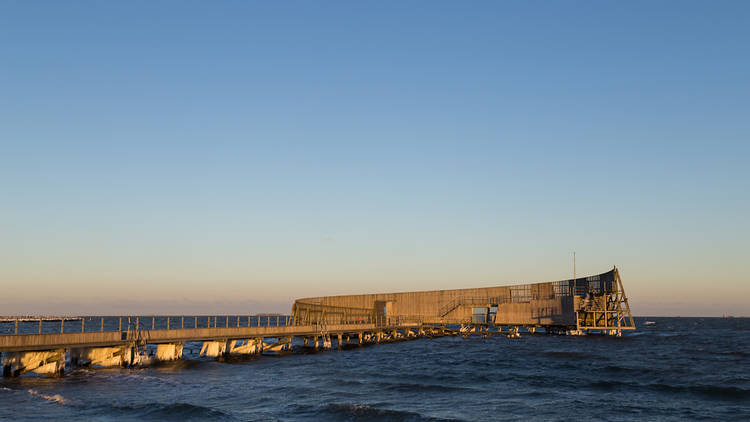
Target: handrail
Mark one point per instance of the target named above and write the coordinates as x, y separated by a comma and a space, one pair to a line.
126, 324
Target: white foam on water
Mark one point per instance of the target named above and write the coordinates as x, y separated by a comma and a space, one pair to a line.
53, 398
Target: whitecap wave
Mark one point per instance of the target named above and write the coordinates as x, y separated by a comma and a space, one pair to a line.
53, 398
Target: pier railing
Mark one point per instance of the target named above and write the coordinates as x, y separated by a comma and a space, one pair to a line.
86, 324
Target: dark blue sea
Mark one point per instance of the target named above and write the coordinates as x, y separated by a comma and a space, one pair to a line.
678, 369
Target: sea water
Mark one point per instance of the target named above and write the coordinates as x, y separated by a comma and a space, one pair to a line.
678, 369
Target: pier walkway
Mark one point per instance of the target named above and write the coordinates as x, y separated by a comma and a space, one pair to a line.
578, 306
47, 345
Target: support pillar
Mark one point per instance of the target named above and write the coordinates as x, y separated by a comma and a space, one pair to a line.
282, 344
245, 347
513, 333
169, 351
213, 349
102, 356
48, 362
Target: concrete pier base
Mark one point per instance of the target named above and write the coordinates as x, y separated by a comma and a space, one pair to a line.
283, 344
251, 346
327, 343
513, 333
102, 356
213, 349
169, 351
49, 362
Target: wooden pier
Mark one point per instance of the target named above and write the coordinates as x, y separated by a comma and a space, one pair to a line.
573, 307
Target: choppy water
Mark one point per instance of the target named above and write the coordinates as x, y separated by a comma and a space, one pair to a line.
678, 369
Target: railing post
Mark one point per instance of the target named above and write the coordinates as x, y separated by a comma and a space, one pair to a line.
120, 329
16, 325
153, 322
182, 322
226, 320
40, 326
277, 320
238, 321
102, 329
248, 320
167, 323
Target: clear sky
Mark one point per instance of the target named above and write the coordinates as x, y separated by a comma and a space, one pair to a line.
200, 156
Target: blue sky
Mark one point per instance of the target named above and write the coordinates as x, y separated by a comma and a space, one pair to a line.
229, 157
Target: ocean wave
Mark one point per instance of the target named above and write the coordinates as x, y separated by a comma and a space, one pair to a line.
616, 368
56, 398
138, 377
361, 412
409, 387
348, 383
712, 391
716, 392
571, 355
173, 411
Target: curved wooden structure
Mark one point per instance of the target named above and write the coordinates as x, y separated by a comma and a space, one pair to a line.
574, 306
596, 302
